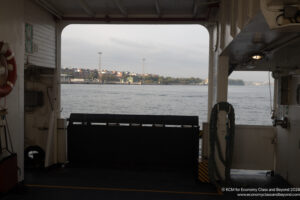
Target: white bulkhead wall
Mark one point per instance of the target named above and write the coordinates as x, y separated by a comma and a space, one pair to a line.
288, 140
12, 31
37, 121
14, 14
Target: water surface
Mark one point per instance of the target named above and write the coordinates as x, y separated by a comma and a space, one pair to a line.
251, 103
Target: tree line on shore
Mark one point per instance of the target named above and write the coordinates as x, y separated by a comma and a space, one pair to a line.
128, 77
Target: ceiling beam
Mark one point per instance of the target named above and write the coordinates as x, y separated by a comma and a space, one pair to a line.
195, 9
78, 20
208, 3
50, 8
87, 9
157, 6
121, 8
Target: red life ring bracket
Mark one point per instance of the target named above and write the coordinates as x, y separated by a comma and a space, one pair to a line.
8, 69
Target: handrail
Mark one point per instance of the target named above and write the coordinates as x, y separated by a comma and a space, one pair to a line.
134, 119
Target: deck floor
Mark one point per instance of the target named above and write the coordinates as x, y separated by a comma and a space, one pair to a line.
89, 183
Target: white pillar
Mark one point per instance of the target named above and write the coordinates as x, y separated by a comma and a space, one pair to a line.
57, 83
210, 73
222, 76
210, 99
222, 90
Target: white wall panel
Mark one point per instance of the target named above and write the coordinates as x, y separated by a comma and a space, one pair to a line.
254, 147
44, 36
288, 145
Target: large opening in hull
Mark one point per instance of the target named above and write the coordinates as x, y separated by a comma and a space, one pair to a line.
141, 99
139, 87
170, 61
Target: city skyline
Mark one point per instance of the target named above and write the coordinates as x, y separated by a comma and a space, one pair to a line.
169, 50
102, 76
130, 73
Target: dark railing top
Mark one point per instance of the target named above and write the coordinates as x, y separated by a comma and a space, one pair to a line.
134, 119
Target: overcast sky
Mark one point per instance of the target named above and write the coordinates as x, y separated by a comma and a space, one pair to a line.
169, 50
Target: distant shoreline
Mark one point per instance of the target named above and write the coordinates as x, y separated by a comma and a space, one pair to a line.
91, 83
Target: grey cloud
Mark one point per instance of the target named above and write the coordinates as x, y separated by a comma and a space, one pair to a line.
128, 43
186, 56
164, 60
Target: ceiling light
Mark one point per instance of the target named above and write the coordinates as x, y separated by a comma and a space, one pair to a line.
257, 57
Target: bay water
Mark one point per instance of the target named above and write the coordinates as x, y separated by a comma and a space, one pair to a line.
251, 103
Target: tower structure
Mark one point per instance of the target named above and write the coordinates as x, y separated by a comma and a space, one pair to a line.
143, 66
143, 70
99, 68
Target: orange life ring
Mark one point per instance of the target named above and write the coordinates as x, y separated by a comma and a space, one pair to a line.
8, 69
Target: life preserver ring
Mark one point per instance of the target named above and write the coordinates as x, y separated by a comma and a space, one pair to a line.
8, 69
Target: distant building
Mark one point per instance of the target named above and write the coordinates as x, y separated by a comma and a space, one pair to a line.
65, 78
130, 79
205, 82
106, 72
119, 74
77, 80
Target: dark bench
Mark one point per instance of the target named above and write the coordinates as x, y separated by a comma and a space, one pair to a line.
151, 142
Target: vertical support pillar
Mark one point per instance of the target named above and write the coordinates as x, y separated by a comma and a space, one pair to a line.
59, 29
274, 114
222, 90
210, 73
52, 139
222, 76
275, 100
57, 90
211, 92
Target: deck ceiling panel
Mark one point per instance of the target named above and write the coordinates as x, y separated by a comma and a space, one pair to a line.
126, 9
65, 6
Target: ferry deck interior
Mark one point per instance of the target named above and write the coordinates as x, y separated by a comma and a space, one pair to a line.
44, 156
